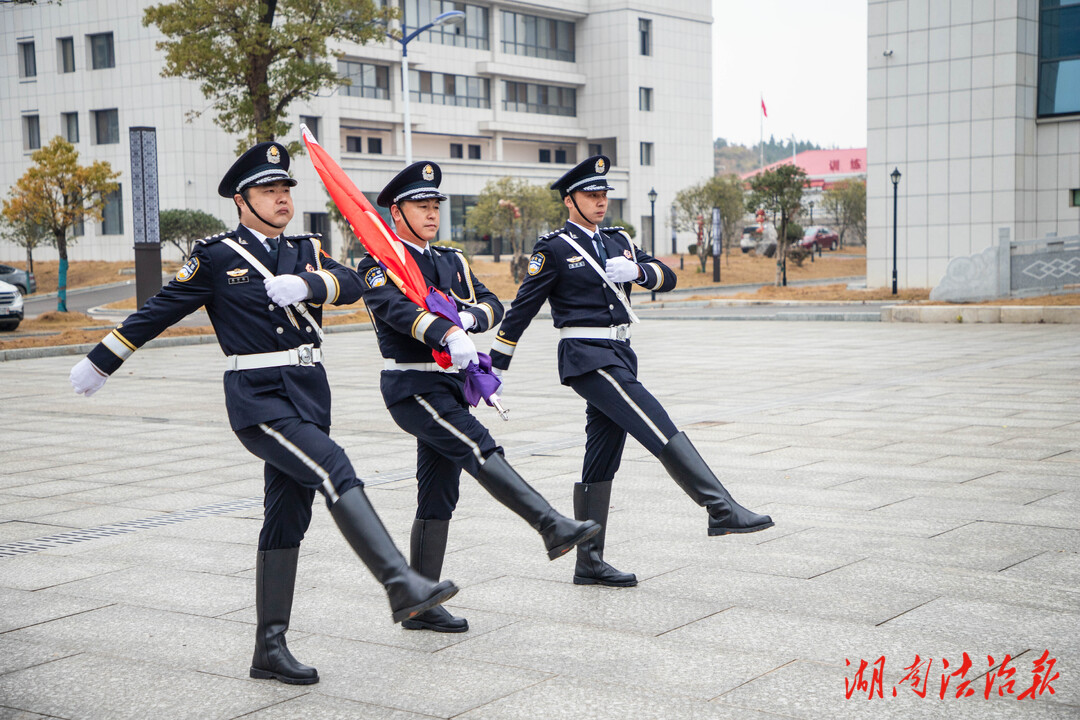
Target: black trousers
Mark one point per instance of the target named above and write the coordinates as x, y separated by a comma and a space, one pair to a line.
448, 440
300, 458
617, 404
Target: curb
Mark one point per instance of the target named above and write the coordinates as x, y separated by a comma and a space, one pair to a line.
982, 314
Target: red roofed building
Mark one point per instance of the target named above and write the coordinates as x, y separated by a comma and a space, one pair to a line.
824, 167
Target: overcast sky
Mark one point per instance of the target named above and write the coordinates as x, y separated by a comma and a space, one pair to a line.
806, 57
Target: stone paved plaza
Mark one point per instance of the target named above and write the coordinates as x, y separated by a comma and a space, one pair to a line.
923, 480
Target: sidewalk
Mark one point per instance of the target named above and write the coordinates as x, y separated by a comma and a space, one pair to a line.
923, 479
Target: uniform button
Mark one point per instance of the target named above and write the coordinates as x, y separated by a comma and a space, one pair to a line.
270, 306
610, 307
279, 330
308, 328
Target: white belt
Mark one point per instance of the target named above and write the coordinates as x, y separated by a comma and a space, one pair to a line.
617, 332
389, 364
306, 355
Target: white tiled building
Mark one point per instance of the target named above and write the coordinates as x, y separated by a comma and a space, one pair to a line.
519, 89
984, 129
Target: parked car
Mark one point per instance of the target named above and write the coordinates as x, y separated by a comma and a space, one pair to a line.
763, 241
11, 306
19, 278
817, 237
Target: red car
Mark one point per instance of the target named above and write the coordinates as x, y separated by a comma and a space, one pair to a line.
817, 237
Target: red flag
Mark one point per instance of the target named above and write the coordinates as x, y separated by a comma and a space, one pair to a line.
763, 110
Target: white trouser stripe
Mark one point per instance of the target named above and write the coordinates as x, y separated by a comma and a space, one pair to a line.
316, 467
632, 404
453, 430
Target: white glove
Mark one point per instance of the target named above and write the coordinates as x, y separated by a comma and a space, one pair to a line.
287, 290
462, 350
499, 374
468, 321
86, 378
620, 270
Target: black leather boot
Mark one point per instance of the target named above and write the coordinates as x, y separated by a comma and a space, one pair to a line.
427, 547
275, 576
591, 502
683, 462
560, 533
409, 592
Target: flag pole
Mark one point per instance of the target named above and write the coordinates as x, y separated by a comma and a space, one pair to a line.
761, 128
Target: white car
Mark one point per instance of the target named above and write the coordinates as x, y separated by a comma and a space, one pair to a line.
11, 306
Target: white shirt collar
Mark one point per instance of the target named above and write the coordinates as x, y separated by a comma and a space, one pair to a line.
588, 233
414, 246
259, 236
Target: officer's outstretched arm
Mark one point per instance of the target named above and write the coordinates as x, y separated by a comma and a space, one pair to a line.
535, 288
192, 288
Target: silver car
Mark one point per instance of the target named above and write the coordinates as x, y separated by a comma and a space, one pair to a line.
11, 306
25, 281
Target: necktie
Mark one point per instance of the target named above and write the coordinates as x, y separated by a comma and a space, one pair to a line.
601, 251
273, 243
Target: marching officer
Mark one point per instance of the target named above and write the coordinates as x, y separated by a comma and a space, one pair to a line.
264, 293
585, 273
428, 402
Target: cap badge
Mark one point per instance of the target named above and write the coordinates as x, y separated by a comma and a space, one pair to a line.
273, 155
429, 173
600, 165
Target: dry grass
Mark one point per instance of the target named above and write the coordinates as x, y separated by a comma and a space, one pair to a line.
82, 273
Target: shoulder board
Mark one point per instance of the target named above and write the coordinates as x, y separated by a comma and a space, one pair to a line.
215, 238
613, 228
305, 236
445, 248
553, 233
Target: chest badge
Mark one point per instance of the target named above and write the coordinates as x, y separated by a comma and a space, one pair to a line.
575, 261
238, 272
309, 268
628, 255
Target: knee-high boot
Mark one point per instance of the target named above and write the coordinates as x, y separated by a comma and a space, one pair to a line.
686, 466
275, 577
427, 547
409, 592
559, 532
591, 502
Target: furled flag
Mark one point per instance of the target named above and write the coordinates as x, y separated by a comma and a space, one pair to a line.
480, 382
763, 110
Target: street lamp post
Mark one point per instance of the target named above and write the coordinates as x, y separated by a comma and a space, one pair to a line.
811, 212
652, 226
447, 18
895, 177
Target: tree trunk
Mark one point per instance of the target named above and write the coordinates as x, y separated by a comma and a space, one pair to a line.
29, 260
61, 295
257, 86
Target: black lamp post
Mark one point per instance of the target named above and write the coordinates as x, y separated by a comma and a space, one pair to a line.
811, 212
652, 221
895, 177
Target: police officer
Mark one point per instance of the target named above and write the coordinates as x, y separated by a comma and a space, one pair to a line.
428, 402
585, 273
264, 291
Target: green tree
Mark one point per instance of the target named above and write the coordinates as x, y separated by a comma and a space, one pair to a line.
183, 227
693, 209
28, 235
515, 210
779, 193
253, 59
57, 194
620, 222
846, 201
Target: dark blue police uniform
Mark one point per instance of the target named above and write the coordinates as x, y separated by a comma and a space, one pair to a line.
429, 403
278, 402
596, 360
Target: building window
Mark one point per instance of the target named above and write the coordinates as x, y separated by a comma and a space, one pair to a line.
545, 155
354, 143
79, 228
112, 221
366, 80
445, 89
1059, 57
101, 51
65, 54
645, 32
540, 37
560, 157
27, 60
542, 99
596, 149
1074, 198
31, 132
106, 127
474, 152
645, 99
312, 123
319, 222
470, 33
69, 124
374, 145
456, 150
646, 153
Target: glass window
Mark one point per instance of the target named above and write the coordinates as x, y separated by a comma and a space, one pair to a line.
365, 80
596, 149
374, 145
472, 32
535, 36
1074, 198
101, 51
69, 123
312, 123
474, 152
1059, 57
645, 32
455, 150
319, 222
65, 51
354, 144
444, 89
27, 60
646, 153
31, 132
560, 157
541, 99
645, 99
106, 127
112, 221
545, 155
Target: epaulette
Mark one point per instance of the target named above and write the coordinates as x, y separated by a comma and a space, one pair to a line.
445, 248
553, 233
613, 228
215, 238
305, 236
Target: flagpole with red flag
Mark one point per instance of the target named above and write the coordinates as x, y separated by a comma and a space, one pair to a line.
761, 123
